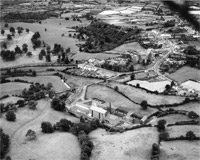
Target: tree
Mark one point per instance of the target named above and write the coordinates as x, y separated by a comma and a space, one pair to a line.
40, 56
8, 158
6, 25
48, 57
34, 73
12, 30
5, 142
29, 54
144, 104
20, 103
2, 31
64, 125
167, 87
116, 88
43, 52
49, 85
47, 127
32, 104
132, 76
193, 115
25, 47
31, 135
19, 31
155, 149
18, 50
163, 136
190, 135
58, 104
4, 45
27, 30
11, 116
9, 37
161, 125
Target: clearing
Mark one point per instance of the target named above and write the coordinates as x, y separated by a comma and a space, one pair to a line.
134, 145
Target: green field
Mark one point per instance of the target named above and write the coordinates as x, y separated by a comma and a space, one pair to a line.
185, 73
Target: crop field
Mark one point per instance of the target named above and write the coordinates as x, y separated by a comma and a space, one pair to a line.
135, 144
58, 85
13, 88
185, 73
179, 150
139, 95
117, 100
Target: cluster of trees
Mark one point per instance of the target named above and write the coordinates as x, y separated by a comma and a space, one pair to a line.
5, 142
103, 36
58, 104
11, 116
24, 17
86, 145
150, 45
35, 40
192, 56
170, 23
37, 91
9, 55
128, 67
155, 152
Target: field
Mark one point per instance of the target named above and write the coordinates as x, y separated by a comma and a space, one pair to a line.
180, 150
194, 106
139, 95
117, 100
10, 100
185, 73
58, 85
13, 88
177, 131
21, 60
50, 146
134, 145
173, 118
152, 86
75, 81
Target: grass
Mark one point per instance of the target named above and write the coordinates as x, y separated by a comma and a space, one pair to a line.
139, 95
117, 100
21, 60
173, 118
194, 106
47, 146
10, 100
179, 150
12, 88
75, 81
177, 131
135, 144
185, 73
58, 85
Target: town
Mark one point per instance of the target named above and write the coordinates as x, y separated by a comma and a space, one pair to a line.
100, 79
